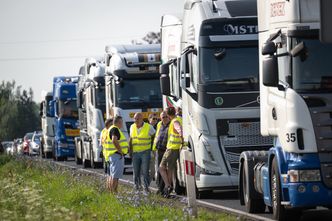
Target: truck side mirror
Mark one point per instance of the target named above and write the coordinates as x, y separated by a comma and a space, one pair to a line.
79, 99
165, 84
41, 107
269, 48
164, 68
184, 75
270, 71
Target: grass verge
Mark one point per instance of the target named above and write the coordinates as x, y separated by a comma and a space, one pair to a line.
42, 191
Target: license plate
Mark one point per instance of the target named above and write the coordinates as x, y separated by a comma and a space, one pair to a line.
72, 132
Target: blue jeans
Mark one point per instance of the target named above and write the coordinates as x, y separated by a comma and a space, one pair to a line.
141, 164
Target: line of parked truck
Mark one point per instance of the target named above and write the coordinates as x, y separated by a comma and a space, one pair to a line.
253, 79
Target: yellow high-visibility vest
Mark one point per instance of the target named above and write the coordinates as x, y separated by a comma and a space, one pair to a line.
174, 141
141, 141
110, 147
154, 146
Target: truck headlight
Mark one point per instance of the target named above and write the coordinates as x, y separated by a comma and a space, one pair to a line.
304, 176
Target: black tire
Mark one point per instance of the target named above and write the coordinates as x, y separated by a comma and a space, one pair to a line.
179, 190
53, 153
85, 162
92, 162
48, 155
41, 150
77, 159
279, 211
248, 190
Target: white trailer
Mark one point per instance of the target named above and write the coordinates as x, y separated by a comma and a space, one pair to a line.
92, 113
210, 69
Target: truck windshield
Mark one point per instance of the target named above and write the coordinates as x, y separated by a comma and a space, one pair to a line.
313, 70
101, 99
68, 109
230, 67
139, 94
48, 106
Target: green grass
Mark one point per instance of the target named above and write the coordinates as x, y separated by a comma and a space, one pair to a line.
31, 191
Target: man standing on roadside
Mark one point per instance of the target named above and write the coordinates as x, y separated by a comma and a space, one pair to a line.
159, 145
174, 143
153, 120
140, 149
103, 137
116, 148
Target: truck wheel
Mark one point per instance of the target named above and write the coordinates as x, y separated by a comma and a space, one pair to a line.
77, 159
86, 162
48, 155
279, 211
92, 162
248, 190
179, 190
41, 150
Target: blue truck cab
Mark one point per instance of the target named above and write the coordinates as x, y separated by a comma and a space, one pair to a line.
66, 117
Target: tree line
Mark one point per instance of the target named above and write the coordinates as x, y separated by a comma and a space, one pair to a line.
19, 114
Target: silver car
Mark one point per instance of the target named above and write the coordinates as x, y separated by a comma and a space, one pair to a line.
34, 145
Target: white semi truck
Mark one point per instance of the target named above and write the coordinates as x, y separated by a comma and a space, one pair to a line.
295, 39
210, 70
91, 108
47, 121
132, 83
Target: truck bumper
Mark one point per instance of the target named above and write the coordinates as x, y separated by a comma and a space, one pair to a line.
212, 182
311, 194
66, 152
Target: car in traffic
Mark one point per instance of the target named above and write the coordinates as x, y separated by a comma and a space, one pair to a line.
34, 145
8, 146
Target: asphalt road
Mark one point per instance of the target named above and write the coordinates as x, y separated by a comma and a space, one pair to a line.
224, 201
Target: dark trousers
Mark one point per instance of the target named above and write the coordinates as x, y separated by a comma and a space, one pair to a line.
160, 182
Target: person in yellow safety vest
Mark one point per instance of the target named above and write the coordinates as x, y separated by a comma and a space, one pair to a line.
174, 144
159, 146
153, 120
116, 146
103, 136
140, 150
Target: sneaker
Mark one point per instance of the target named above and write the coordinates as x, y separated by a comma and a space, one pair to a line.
167, 192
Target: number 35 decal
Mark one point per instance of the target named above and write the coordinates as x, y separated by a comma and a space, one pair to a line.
290, 137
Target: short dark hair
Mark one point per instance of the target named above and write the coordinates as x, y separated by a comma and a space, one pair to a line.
170, 111
108, 122
116, 119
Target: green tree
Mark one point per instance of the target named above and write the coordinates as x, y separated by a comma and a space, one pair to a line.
18, 111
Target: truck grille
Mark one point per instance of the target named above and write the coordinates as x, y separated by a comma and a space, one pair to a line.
242, 135
321, 115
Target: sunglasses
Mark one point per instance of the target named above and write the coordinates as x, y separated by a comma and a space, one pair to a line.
165, 117
154, 118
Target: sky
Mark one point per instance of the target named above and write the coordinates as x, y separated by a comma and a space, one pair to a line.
40, 39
